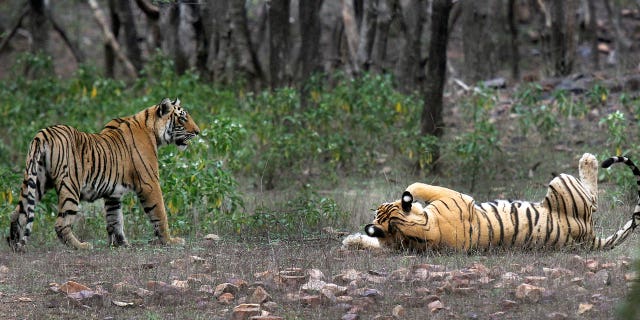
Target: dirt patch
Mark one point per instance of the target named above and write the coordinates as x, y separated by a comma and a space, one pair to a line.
308, 280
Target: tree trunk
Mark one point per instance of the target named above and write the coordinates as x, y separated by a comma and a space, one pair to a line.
351, 34
309, 13
279, 42
410, 68
558, 39
513, 41
130, 33
247, 63
109, 55
476, 46
379, 55
367, 34
592, 31
431, 120
39, 26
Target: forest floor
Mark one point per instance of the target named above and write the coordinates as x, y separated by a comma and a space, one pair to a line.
313, 279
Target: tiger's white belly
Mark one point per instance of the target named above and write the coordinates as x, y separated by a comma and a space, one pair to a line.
91, 193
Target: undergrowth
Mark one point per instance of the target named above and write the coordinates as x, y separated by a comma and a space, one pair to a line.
353, 129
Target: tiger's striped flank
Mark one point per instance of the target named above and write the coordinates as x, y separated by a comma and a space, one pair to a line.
454, 220
83, 166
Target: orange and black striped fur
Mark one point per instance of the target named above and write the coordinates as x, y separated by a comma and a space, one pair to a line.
82, 166
454, 220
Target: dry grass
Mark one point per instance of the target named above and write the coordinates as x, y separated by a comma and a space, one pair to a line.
25, 282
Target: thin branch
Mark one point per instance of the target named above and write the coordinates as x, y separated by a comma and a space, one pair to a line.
77, 53
149, 9
111, 40
15, 27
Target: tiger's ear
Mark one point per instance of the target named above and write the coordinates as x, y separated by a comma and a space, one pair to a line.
176, 102
407, 201
164, 107
373, 231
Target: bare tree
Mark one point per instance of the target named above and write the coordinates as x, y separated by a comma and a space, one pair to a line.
279, 42
410, 66
431, 120
367, 34
309, 12
379, 54
247, 63
558, 40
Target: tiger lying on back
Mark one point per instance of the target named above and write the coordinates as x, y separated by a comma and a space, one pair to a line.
83, 166
454, 220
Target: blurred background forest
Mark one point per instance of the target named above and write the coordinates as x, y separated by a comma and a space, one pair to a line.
322, 109
482, 96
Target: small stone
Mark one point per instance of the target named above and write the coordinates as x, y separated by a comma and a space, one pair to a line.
245, 311
557, 316
225, 288
435, 306
602, 278
398, 312
311, 300
529, 292
350, 316
259, 296
315, 274
584, 307
226, 298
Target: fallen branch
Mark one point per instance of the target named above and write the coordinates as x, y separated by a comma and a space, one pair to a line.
111, 40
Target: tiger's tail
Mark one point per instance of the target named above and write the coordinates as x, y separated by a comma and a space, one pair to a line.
622, 234
30, 193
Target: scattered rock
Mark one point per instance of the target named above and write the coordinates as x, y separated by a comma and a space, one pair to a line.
529, 292
71, 287
259, 296
350, 316
315, 274
435, 306
226, 298
601, 278
311, 300
507, 304
584, 307
398, 312
313, 286
225, 288
181, 284
245, 311
592, 265
557, 316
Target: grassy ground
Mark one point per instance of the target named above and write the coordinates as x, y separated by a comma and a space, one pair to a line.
376, 284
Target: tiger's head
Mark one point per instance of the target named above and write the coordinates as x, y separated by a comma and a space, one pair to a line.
174, 124
403, 224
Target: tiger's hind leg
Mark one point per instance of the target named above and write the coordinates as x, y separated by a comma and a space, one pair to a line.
68, 206
115, 226
33, 188
588, 173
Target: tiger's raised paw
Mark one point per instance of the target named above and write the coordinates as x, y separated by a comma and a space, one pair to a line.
588, 172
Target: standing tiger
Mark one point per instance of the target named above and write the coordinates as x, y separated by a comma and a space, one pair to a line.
83, 166
454, 220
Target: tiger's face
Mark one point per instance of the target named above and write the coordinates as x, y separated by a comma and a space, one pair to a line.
174, 124
403, 224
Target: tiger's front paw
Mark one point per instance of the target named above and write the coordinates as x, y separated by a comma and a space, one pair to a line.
176, 241
84, 246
